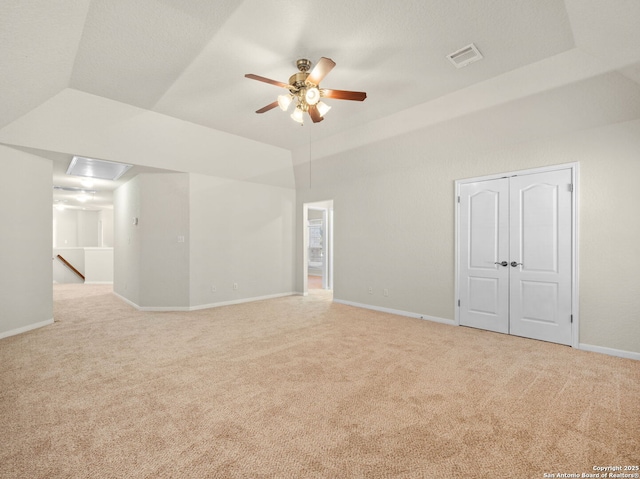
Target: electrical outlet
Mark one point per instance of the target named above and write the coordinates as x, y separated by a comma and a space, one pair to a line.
386, 292
235, 286
370, 289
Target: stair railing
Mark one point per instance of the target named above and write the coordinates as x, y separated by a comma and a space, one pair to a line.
70, 266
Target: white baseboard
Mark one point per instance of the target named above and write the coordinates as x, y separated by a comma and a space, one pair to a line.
398, 312
240, 301
129, 302
161, 309
200, 306
98, 282
585, 347
151, 308
24, 329
610, 351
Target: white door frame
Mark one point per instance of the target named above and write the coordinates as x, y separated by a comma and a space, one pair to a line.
575, 170
327, 277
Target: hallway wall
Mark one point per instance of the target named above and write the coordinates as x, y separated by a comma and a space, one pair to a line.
26, 277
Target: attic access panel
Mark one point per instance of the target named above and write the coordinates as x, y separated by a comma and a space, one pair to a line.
92, 168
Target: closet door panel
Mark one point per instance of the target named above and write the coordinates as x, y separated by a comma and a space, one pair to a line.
540, 264
484, 230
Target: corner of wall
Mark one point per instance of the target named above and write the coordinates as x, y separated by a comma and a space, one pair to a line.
26, 276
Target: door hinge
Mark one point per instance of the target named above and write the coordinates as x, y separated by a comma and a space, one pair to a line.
572, 319
458, 199
571, 187
458, 303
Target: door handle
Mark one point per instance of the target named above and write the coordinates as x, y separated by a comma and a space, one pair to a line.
504, 263
514, 264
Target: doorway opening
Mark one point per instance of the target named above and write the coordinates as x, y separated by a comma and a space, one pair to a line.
318, 247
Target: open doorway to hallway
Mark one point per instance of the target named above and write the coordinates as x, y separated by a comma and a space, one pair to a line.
318, 246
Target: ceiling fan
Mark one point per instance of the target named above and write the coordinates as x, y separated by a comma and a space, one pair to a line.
305, 92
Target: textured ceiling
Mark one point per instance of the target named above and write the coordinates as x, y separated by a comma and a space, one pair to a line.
190, 62
187, 60
38, 45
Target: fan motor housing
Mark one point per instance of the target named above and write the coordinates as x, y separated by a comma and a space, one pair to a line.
298, 79
303, 64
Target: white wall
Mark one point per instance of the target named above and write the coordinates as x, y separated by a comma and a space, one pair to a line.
233, 231
88, 228
26, 297
315, 214
394, 222
151, 264
98, 265
126, 257
164, 258
65, 228
73, 227
240, 233
105, 218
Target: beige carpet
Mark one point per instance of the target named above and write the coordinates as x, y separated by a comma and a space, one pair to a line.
299, 387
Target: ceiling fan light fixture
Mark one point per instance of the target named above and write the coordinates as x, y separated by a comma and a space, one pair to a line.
305, 93
312, 96
284, 101
323, 108
298, 116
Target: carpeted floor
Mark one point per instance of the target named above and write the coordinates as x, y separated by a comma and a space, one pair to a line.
300, 387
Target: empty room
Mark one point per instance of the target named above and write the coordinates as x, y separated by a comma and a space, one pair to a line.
275, 239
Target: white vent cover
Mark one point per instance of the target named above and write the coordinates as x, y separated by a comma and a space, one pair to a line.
464, 56
91, 168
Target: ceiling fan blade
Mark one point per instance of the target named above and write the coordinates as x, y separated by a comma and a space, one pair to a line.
344, 94
322, 68
315, 114
267, 80
270, 106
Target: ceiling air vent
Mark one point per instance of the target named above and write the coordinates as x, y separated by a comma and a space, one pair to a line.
464, 56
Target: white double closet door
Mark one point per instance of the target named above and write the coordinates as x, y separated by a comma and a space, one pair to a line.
515, 255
